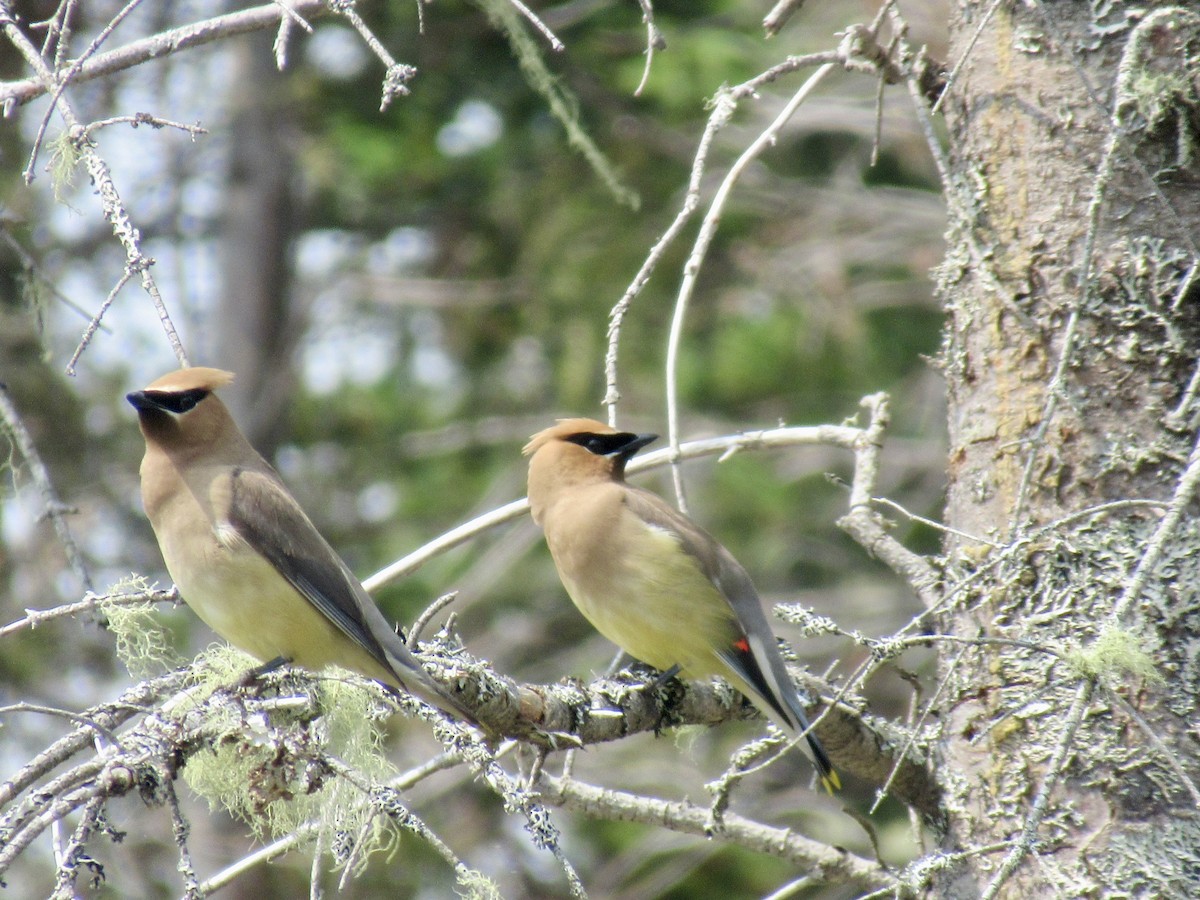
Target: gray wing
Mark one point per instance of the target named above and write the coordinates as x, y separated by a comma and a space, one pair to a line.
752, 651
717, 563
268, 518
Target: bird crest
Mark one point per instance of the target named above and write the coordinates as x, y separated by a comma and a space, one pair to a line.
194, 378
563, 429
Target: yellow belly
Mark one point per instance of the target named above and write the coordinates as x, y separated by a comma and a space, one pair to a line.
242, 597
651, 599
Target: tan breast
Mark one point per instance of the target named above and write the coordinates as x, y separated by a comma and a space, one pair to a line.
235, 591
635, 584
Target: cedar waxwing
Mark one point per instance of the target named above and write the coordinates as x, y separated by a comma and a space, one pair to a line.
244, 555
648, 578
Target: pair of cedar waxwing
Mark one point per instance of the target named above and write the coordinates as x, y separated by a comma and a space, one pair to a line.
251, 564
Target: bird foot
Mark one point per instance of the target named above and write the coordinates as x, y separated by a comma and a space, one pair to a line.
253, 676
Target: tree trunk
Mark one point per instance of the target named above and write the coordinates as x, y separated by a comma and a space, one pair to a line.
1072, 338
259, 325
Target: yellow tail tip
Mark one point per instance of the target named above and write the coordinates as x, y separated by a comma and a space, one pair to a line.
831, 782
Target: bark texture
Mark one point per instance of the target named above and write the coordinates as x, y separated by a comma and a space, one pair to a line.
1074, 324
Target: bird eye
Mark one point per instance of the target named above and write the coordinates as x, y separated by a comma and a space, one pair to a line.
602, 444
183, 401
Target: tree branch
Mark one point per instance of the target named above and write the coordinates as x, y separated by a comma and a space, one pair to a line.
196, 34
771, 438
53, 508
110, 199
832, 864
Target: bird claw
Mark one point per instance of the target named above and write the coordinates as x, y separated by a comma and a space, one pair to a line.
561, 740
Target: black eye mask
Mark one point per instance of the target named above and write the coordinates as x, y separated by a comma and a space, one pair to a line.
621, 445
177, 402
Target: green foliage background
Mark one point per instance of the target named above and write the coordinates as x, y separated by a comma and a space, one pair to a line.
815, 292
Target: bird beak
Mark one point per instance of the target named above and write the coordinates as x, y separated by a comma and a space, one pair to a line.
633, 446
142, 400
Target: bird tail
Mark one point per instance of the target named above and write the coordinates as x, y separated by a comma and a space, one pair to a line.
416, 681
774, 693
829, 775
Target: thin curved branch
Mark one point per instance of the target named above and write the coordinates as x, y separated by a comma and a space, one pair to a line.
691, 269
832, 865
866, 526
108, 716
54, 508
110, 199
196, 34
772, 438
35, 617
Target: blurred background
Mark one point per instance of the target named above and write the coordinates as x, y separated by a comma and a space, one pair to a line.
406, 296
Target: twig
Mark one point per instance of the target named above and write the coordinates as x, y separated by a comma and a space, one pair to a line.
314, 866
69, 857
953, 591
58, 29
774, 21
792, 888
308, 830
654, 41
791, 64
555, 44
196, 34
82, 719
1104, 172
284, 33
1181, 416
446, 541
397, 76
62, 80
110, 199
538, 822
1169, 756
1185, 493
952, 189
936, 526
755, 756
282, 43
386, 801
108, 781
1141, 40
291, 15
1065, 354
1037, 811
432, 610
716, 121
724, 105
53, 508
835, 865
834, 435
94, 324
108, 715
880, 84
962, 57
863, 523
691, 269
35, 617
138, 119
180, 831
